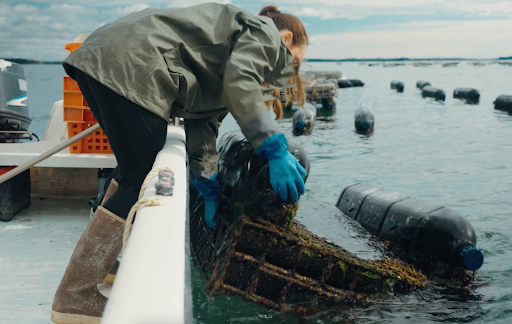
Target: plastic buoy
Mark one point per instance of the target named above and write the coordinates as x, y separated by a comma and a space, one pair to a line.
503, 102
397, 85
356, 83
470, 95
432, 237
432, 92
364, 120
304, 119
420, 84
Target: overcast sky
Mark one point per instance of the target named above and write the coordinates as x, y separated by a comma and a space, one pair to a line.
337, 28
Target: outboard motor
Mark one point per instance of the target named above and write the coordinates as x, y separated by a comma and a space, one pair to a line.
13, 101
420, 84
503, 102
431, 92
397, 85
364, 120
432, 237
356, 83
304, 119
470, 95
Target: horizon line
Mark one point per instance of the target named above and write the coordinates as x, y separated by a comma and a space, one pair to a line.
31, 61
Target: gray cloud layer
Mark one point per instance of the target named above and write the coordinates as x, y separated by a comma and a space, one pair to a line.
40, 30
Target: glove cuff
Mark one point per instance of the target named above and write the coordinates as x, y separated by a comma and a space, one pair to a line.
276, 145
208, 189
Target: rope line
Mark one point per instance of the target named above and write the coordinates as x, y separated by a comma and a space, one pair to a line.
149, 201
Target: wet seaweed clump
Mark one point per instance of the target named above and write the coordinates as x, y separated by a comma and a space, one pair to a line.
260, 253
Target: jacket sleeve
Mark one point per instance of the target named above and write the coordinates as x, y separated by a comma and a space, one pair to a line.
245, 91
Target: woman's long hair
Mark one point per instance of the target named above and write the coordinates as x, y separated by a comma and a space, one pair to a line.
300, 37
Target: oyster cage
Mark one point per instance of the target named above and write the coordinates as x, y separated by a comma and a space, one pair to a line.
285, 267
321, 89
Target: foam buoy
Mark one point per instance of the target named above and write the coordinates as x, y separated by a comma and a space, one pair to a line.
432, 237
304, 119
503, 102
470, 95
397, 85
364, 120
432, 92
420, 84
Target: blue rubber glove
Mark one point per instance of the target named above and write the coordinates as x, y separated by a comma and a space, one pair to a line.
209, 190
286, 173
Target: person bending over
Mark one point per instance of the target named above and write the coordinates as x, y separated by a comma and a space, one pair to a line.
198, 63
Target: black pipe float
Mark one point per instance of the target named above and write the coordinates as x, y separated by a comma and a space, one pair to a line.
470, 95
397, 85
344, 83
420, 84
432, 237
503, 102
364, 121
304, 119
335, 81
356, 83
431, 92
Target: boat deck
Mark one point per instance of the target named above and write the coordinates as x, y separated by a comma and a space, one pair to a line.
36, 247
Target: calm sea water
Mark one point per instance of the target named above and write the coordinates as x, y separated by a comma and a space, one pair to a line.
450, 153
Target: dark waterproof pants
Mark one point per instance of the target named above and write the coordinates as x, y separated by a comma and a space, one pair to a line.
135, 134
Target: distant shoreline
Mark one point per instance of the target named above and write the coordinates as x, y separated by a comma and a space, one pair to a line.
404, 59
26, 61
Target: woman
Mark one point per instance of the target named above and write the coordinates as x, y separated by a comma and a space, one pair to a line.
198, 63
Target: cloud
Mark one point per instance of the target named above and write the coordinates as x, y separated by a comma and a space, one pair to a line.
123, 11
29, 31
39, 29
189, 3
471, 39
24, 8
349, 9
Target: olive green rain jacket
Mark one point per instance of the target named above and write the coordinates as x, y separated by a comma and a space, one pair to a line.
193, 63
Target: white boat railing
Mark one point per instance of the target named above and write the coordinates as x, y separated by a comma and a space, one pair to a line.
153, 283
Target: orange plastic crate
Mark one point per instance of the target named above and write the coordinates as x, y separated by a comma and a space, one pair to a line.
78, 114
95, 143
71, 47
70, 84
74, 99
73, 114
